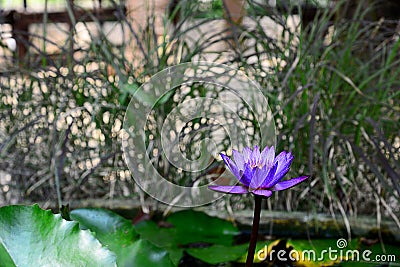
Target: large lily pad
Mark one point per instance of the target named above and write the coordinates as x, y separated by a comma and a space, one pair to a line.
111, 229
195, 226
188, 227
218, 253
119, 235
187, 230
30, 236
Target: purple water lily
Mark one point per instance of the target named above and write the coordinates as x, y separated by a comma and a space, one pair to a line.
259, 173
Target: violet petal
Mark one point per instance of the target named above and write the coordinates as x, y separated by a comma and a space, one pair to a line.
285, 160
255, 156
269, 179
281, 156
269, 157
263, 156
289, 183
239, 159
259, 177
282, 170
247, 175
231, 189
246, 154
231, 165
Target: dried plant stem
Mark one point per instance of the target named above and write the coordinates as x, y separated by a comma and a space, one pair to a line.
254, 231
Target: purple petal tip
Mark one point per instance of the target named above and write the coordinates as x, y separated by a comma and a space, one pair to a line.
235, 189
289, 183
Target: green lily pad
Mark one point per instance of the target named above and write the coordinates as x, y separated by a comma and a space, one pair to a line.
109, 227
144, 253
5, 258
30, 236
119, 235
194, 226
218, 253
161, 237
188, 229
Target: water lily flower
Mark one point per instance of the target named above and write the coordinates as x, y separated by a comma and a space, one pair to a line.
259, 173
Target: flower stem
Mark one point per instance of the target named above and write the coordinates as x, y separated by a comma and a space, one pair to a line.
254, 231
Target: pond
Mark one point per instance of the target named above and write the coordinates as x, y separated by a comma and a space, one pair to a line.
188, 238
330, 89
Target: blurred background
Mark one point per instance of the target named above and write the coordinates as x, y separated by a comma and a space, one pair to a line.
330, 71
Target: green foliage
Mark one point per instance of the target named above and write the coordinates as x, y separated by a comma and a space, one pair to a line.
332, 84
120, 236
97, 237
148, 244
110, 228
145, 253
31, 236
216, 254
188, 229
